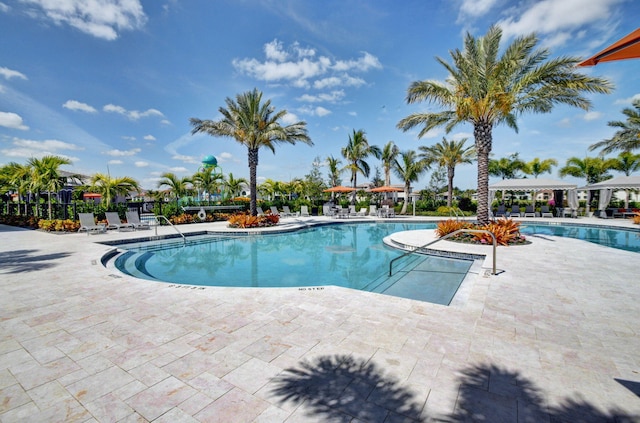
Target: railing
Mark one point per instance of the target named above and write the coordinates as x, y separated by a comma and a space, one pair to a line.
455, 211
171, 224
449, 235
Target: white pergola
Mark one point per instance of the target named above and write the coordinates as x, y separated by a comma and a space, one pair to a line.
607, 187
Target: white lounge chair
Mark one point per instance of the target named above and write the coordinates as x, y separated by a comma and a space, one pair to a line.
362, 212
274, 210
544, 212
259, 211
286, 211
529, 211
88, 224
373, 210
304, 211
134, 219
353, 211
114, 222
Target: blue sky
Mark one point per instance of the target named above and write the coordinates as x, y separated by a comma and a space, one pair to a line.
111, 84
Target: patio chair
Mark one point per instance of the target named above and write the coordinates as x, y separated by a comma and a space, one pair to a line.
373, 210
274, 210
353, 211
515, 211
529, 211
88, 224
114, 222
362, 212
304, 211
286, 211
544, 212
569, 212
134, 219
502, 211
259, 211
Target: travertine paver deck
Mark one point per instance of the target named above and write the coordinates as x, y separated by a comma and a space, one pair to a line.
553, 337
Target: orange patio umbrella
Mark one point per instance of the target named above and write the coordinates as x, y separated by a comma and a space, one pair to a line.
626, 48
339, 188
386, 189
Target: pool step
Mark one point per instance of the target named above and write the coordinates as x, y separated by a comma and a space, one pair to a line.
381, 283
133, 264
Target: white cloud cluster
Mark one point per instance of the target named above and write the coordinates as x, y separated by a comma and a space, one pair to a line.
122, 153
79, 106
131, 114
332, 97
302, 68
24, 148
149, 138
99, 18
557, 19
10, 73
12, 120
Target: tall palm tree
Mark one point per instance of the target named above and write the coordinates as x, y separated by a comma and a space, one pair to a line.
234, 186
45, 173
267, 189
16, 177
507, 167
253, 124
179, 187
448, 154
334, 173
537, 167
109, 187
627, 138
389, 153
487, 90
356, 151
408, 168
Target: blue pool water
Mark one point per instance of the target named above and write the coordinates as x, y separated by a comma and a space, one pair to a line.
347, 255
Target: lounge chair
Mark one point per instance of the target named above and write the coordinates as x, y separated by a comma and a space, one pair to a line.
114, 222
304, 211
569, 212
529, 211
362, 212
373, 210
274, 211
502, 211
515, 211
286, 211
259, 211
88, 224
353, 211
134, 219
544, 212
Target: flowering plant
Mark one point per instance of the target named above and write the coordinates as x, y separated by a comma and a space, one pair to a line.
552, 202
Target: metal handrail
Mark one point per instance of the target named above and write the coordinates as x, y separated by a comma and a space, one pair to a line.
455, 211
449, 235
172, 225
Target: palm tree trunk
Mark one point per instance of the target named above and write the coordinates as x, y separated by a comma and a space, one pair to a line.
450, 187
353, 196
483, 139
406, 199
253, 191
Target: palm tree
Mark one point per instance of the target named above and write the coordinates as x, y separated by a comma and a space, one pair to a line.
409, 169
45, 174
334, 173
389, 153
448, 154
487, 90
207, 181
109, 187
507, 167
16, 177
627, 163
627, 138
537, 167
179, 187
593, 169
234, 186
255, 125
356, 151
267, 189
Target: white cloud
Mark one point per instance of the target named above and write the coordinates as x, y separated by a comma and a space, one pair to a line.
476, 8
321, 111
131, 114
4, 7
564, 123
290, 118
331, 97
101, 19
149, 138
10, 73
317, 111
120, 153
556, 18
186, 159
141, 164
12, 120
225, 157
179, 169
628, 100
301, 68
79, 106
592, 116
115, 162
128, 138
29, 148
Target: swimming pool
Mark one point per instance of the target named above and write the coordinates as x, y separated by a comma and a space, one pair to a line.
347, 255
628, 240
